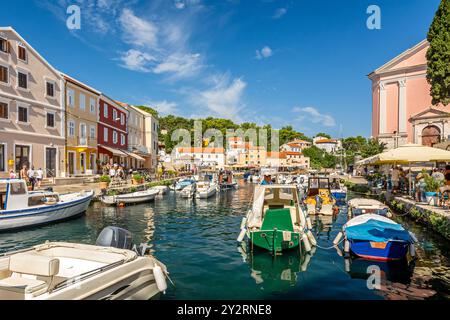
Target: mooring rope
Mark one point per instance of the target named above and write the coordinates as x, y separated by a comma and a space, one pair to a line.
333, 246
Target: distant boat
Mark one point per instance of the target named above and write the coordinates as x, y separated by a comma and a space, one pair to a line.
131, 198
20, 208
318, 197
226, 181
189, 191
338, 191
182, 184
359, 206
206, 189
375, 237
277, 222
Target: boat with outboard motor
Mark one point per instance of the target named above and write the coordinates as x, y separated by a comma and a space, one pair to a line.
276, 221
206, 189
108, 270
372, 236
20, 208
338, 191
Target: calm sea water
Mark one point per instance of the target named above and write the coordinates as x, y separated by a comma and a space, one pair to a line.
197, 242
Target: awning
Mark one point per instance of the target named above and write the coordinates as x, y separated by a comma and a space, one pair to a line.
134, 155
115, 152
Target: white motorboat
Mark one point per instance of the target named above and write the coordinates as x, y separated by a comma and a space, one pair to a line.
20, 208
109, 270
206, 189
189, 191
182, 184
131, 198
359, 206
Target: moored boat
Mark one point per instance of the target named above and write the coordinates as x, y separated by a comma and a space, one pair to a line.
277, 222
189, 191
226, 180
109, 270
20, 208
372, 236
206, 189
338, 191
318, 197
359, 206
131, 198
182, 184
162, 189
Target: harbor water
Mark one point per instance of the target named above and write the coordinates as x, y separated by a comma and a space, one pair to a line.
196, 239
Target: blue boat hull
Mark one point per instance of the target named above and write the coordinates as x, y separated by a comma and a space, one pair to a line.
392, 250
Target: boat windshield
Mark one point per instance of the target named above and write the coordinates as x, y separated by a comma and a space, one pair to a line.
335, 184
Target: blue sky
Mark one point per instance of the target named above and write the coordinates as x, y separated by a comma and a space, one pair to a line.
281, 62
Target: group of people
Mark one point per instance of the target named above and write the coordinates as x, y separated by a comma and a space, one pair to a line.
30, 175
116, 172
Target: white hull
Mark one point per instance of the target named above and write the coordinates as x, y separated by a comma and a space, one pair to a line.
162, 189
204, 194
44, 214
132, 198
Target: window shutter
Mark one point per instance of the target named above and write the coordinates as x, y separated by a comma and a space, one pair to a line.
8, 47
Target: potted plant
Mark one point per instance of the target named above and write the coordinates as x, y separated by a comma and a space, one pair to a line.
137, 179
431, 187
104, 182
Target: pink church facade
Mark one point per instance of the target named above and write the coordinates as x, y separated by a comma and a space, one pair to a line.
402, 111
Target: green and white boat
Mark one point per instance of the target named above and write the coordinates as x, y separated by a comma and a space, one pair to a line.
276, 221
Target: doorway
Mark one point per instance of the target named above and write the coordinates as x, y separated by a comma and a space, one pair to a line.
83, 163
71, 162
50, 162
22, 155
431, 135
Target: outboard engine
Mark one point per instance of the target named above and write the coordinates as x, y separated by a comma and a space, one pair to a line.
49, 189
318, 203
115, 237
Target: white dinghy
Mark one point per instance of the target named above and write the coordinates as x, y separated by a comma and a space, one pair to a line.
131, 198
20, 208
110, 270
206, 189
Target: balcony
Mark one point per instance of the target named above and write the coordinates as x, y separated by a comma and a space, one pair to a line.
86, 142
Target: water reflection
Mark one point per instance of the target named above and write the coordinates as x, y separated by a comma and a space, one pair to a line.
275, 273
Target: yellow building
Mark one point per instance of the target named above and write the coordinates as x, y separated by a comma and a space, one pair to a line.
81, 128
253, 156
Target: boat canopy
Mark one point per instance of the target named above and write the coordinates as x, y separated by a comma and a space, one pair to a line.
371, 227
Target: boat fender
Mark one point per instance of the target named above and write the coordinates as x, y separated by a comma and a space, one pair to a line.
337, 239
347, 265
306, 243
311, 238
305, 263
346, 246
160, 279
243, 223
309, 223
242, 235
412, 250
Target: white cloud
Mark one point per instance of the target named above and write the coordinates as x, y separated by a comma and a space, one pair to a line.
313, 115
224, 99
180, 65
280, 13
137, 31
136, 60
264, 53
165, 107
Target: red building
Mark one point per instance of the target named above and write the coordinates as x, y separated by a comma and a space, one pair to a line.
112, 132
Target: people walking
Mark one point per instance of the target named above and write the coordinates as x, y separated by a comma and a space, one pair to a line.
23, 173
31, 177
39, 177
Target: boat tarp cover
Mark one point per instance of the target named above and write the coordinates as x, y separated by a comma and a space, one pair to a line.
377, 231
258, 203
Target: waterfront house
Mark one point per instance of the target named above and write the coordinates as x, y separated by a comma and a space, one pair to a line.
112, 132
295, 146
138, 152
151, 142
402, 109
328, 145
287, 159
81, 127
253, 156
200, 157
235, 146
31, 108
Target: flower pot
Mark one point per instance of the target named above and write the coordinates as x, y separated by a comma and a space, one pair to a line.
104, 185
431, 198
136, 182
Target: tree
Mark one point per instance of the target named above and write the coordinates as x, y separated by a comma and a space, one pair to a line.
288, 134
325, 135
319, 158
150, 110
360, 146
438, 55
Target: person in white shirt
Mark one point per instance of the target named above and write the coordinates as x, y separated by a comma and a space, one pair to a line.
31, 177
39, 177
